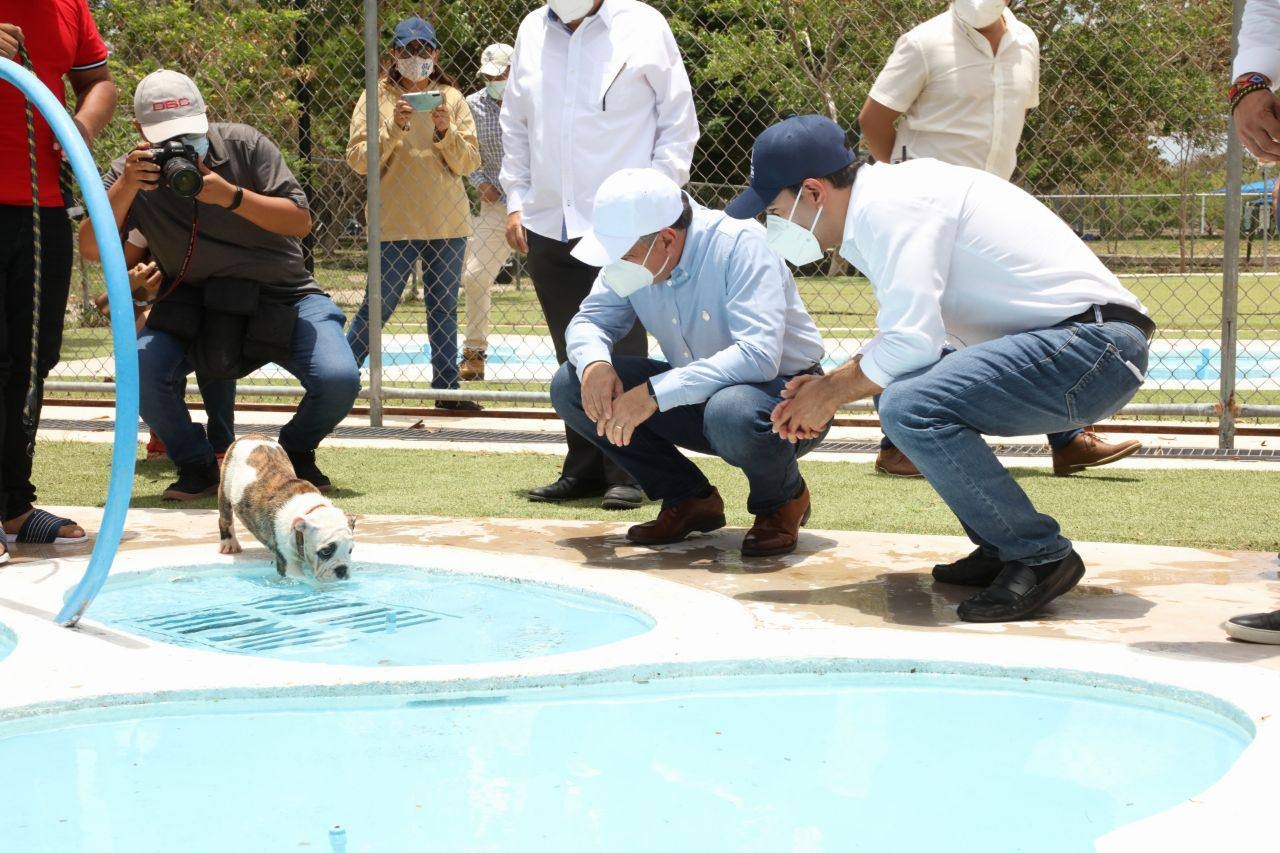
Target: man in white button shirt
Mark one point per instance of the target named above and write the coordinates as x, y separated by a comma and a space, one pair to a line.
959, 87
595, 86
961, 83
1049, 338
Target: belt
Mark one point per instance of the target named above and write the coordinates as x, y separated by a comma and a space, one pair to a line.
1116, 313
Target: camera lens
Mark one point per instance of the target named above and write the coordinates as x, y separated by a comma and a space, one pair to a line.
183, 177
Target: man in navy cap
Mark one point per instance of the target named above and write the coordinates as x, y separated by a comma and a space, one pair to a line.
1038, 336
733, 330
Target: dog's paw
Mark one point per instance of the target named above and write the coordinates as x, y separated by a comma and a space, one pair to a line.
230, 546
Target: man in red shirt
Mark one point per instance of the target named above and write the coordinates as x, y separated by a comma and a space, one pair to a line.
62, 41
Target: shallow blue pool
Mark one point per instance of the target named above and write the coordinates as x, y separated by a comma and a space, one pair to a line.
385, 615
1170, 360
874, 762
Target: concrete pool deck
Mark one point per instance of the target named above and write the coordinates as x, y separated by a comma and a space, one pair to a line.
1164, 601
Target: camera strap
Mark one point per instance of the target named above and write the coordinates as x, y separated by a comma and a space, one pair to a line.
191, 253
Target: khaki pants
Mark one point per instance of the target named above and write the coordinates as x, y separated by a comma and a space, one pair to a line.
487, 251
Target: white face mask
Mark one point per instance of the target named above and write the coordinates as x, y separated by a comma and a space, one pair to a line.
496, 88
415, 69
627, 277
797, 244
570, 10
979, 13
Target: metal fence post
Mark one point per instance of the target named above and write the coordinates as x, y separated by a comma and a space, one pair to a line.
1231, 266
372, 229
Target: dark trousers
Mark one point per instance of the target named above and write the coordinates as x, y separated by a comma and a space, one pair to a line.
732, 424
17, 280
562, 282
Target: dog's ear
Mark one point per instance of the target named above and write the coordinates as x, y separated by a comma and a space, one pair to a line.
299, 524
351, 523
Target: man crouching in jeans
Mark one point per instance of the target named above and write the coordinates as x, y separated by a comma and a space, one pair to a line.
731, 325
237, 293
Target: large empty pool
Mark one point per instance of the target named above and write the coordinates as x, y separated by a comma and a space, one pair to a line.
875, 762
385, 615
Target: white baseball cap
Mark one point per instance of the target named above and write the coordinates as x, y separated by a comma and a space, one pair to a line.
496, 59
630, 204
168, 104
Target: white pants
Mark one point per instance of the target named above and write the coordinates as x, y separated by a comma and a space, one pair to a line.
487, 251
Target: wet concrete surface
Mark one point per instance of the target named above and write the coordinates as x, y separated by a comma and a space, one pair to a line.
1159, 600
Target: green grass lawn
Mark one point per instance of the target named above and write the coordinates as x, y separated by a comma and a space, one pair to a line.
1157, 507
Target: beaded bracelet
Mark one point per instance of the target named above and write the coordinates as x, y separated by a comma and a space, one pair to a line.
1246, 84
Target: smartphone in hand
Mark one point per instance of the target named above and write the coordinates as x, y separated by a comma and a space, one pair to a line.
424, 102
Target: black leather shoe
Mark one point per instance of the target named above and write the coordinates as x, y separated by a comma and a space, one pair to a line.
304, 468
977, 569
194, 482
567, 489
1018, 593
623, 497
1255, 627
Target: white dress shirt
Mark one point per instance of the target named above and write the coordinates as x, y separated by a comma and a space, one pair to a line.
1259, 40
580, 106
956, 255
960, 103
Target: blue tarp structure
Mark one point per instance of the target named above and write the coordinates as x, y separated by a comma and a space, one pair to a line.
1264, 186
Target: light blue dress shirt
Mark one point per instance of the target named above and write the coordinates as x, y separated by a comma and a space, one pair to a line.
730, 314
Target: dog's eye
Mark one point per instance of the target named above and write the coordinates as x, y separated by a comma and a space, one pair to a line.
327, 551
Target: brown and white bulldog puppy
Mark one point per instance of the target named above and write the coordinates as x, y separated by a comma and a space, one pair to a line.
298, 524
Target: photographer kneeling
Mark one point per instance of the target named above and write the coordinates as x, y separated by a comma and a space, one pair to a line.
224, 217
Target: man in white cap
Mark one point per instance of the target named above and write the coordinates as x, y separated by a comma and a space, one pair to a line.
237, 292
596, 86
487, 249
733, 330
958, 88
1048, 337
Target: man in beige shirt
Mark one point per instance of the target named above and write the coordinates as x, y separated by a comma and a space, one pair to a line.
957, 88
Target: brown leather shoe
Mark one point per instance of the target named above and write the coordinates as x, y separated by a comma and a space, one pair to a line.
471, 368
895, 463
776, 533
674, 523
1087, 450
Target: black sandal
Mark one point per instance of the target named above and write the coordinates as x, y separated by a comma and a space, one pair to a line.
1017, 594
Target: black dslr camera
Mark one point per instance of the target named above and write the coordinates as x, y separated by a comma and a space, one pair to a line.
177, 162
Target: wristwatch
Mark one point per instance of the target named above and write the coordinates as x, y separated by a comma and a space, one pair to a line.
648, 383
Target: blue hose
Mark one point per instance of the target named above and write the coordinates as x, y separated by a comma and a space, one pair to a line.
123, 338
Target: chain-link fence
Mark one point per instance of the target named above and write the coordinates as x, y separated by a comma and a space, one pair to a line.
1128, 145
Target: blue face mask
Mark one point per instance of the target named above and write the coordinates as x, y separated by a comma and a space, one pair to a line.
198, 141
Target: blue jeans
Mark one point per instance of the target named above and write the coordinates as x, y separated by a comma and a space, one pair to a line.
321, 361
441, 274
1045, 381
733, 425
1057, 440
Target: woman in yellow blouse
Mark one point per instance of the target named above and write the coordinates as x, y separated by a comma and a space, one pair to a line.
425, 151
